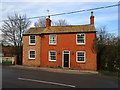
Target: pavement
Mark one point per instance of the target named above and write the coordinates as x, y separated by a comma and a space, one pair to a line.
59, 70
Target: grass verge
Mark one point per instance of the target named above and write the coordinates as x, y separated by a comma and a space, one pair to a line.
117, 74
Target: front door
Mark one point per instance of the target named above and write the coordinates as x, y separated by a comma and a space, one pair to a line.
66, 58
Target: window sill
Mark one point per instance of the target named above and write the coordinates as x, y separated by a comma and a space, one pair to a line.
81, 62
32, 44
52, 61
80, 44
31, 58
53, 44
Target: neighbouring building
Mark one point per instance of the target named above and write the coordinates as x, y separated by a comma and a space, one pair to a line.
61, 46
7, 54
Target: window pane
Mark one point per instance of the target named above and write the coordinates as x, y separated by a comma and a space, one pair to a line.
80, 38
32, 41
52, 39
51, 36
52, 55
80, 41
66, 52
80, 53
53, 58
80, 56
32, 37
32, 54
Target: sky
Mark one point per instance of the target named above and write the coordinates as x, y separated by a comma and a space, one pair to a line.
106, 16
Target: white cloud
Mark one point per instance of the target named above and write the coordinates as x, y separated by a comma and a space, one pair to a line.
35, 8
10, 8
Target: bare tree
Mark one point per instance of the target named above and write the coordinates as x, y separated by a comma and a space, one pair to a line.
13, 29
42, 23
107, 50
60, 22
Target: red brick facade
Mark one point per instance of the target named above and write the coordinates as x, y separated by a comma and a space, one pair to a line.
64, 41
27, 47
68, 42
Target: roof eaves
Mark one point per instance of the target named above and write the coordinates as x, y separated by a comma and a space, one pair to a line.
27, 34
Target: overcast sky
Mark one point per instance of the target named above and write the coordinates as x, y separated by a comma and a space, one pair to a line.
108, 16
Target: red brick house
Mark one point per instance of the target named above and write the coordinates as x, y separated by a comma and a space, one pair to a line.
6, 51
61, 46
7, 54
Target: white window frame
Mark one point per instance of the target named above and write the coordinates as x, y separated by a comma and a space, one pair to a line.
84, 56
55, 55
30, 40
29, 54
84, 39
55, 39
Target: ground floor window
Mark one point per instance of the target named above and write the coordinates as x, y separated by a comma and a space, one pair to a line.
31, 54
52, 55
80, 56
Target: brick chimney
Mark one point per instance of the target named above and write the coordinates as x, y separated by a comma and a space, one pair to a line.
48, 21
91, 19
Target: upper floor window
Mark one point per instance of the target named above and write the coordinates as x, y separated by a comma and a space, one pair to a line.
80, 56
32, 54
32, 40
80, 38
52, 55
52, 39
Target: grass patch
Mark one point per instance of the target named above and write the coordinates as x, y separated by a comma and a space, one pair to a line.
7, 63
110, 73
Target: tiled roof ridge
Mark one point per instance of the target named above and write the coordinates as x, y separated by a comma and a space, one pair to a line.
62, 26
61, 29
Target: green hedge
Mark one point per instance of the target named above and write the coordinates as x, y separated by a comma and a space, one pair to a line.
7, 63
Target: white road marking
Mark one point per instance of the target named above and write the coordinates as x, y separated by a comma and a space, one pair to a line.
46, 82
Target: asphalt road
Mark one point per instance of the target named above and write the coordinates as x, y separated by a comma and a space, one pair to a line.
26, 78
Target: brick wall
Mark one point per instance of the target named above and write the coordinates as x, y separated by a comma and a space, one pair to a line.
68, 42
64, 42
27, 47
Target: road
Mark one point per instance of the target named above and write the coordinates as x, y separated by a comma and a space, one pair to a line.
28, 78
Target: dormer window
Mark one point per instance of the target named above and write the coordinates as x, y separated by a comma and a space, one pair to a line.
80, 38
32, 39
52, 39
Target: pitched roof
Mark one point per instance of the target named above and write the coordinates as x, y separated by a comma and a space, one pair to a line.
35, 30
61, 29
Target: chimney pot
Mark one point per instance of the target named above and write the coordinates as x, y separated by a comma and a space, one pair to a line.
91, 19
48, 22
92, 13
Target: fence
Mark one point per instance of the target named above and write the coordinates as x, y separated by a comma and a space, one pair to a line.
11, 59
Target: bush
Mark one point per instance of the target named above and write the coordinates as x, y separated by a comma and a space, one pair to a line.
7, 63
